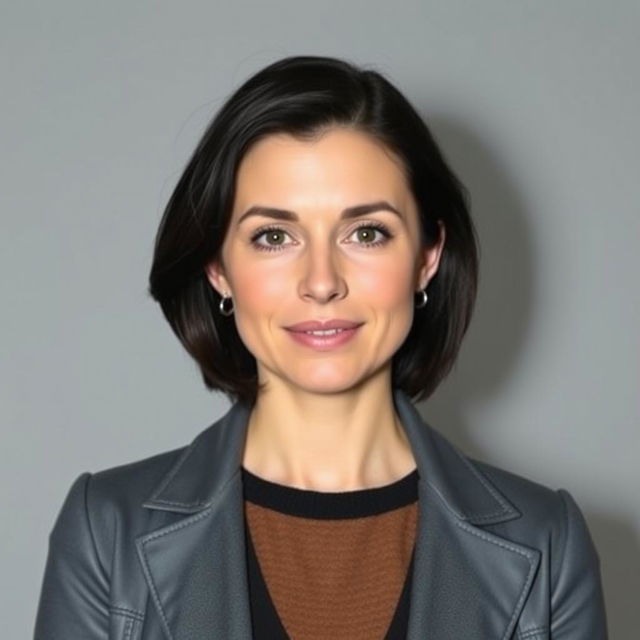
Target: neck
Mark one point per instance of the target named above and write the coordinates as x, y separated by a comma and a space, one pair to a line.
328, 442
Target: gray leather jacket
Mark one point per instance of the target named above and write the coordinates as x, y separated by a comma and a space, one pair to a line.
155, 549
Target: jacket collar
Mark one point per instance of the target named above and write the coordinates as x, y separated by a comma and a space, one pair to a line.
215, 456
467, 582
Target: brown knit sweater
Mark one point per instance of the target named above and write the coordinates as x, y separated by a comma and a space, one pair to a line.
330, 564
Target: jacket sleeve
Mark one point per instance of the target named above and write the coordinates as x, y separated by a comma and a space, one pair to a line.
74, 600
577, 603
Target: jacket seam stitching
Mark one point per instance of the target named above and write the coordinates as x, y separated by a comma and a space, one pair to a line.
531, 632
527, 583
176, 527
127, 628
154, 594
486, 516
461, 516
182, 504
485, 483
129, 613
204, 505
154, 536
169, 478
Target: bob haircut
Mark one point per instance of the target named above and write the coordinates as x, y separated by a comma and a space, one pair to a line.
303, 96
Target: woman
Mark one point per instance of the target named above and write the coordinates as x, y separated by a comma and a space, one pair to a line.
318, 261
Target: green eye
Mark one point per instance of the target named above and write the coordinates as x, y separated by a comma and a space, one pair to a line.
364, 231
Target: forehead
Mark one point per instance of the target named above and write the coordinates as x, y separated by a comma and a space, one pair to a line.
341, 164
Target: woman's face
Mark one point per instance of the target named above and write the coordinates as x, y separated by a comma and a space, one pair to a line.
319, 265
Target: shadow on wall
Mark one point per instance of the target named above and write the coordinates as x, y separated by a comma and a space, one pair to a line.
498, 331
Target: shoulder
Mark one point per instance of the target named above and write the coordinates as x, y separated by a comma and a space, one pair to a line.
535, 501
123, 486
549, 520
105, 506
493, 496
128, 485
541, 508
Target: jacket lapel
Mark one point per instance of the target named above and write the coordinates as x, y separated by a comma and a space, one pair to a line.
467, 582
196, 567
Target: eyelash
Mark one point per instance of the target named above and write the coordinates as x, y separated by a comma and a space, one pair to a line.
368, 225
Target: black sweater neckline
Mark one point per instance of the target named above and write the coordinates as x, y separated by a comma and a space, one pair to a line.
326, 504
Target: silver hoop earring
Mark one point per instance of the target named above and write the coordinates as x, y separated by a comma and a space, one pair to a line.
223, 311
422, 302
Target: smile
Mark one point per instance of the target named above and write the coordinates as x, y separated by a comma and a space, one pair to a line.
324, 340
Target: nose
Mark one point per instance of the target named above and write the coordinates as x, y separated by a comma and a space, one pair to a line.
322, 279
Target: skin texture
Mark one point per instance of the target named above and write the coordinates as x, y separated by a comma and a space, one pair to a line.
326, 421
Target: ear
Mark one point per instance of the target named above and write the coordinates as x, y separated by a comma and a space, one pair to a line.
215, 275
430, 258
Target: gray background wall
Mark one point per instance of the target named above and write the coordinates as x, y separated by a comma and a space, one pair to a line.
535, 104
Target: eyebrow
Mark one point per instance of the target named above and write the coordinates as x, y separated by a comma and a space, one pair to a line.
348, 213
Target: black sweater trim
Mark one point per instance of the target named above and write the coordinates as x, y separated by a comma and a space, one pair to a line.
334, 505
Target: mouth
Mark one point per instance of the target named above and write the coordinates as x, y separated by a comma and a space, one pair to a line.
324, 339
323, 325
323, 332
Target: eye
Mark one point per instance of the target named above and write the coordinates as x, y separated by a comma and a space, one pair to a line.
378, 227
273, 232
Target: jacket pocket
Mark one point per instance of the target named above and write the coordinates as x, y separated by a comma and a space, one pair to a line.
125, 624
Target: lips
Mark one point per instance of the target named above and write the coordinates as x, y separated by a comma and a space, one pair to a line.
326, 325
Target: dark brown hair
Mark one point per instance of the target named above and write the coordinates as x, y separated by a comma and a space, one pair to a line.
302, 96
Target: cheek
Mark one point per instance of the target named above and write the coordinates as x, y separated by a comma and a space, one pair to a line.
260, 288
259, 296
385, 285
